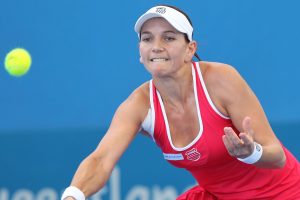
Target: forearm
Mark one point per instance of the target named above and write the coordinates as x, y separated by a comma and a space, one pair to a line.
273, 157
91, 175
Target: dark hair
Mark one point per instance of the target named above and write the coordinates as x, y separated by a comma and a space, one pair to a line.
190, 21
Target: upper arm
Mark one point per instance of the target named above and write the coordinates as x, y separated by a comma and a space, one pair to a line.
237, 100
123, 128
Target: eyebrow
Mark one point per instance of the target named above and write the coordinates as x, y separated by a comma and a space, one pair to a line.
148, 32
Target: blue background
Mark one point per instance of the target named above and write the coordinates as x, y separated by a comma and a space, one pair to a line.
86, 62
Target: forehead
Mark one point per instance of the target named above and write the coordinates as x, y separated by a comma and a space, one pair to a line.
157, 23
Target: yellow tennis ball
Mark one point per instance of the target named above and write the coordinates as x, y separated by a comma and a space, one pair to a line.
17, 62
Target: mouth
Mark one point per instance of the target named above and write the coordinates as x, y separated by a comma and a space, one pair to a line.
159, 59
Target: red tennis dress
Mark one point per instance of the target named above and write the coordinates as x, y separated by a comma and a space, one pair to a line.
219, 175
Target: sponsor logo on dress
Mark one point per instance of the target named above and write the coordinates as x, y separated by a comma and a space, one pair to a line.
161, 10
171, 156
193, 154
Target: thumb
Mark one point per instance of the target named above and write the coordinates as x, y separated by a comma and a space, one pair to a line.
247, 126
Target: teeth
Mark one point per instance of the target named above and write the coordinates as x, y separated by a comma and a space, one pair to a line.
158, 59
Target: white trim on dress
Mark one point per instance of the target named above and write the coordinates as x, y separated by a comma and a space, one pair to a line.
198, 113
207, 94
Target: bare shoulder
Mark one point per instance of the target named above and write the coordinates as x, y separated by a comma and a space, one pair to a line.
223, 83
137, 103
140, 95
216, 73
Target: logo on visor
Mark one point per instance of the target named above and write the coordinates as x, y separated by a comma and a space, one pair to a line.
161, 10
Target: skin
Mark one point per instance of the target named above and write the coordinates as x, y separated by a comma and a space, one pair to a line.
171, 73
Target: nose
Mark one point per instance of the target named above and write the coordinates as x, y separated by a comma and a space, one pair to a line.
157, 46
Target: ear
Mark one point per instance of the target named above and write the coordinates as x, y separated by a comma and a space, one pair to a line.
141, 59
191, 49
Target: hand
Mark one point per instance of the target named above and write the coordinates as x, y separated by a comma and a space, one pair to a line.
242, 145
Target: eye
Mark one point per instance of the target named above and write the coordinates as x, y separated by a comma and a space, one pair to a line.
169, 38
145, 38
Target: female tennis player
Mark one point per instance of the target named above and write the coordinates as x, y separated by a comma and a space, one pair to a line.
202, 115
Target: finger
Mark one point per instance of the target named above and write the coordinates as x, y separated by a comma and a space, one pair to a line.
232, 141
247, 126
228, 142
248, 141
246, 138
228, 145
232, 136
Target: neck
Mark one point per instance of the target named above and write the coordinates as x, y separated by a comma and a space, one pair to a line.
176, 89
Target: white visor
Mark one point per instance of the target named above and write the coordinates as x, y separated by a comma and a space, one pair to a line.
174, 17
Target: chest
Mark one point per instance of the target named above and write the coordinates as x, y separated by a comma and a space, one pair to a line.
206, 149
192, 139
183, 124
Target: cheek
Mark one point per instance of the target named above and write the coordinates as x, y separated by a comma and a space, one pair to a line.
142, 50
180, 53
186, 54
